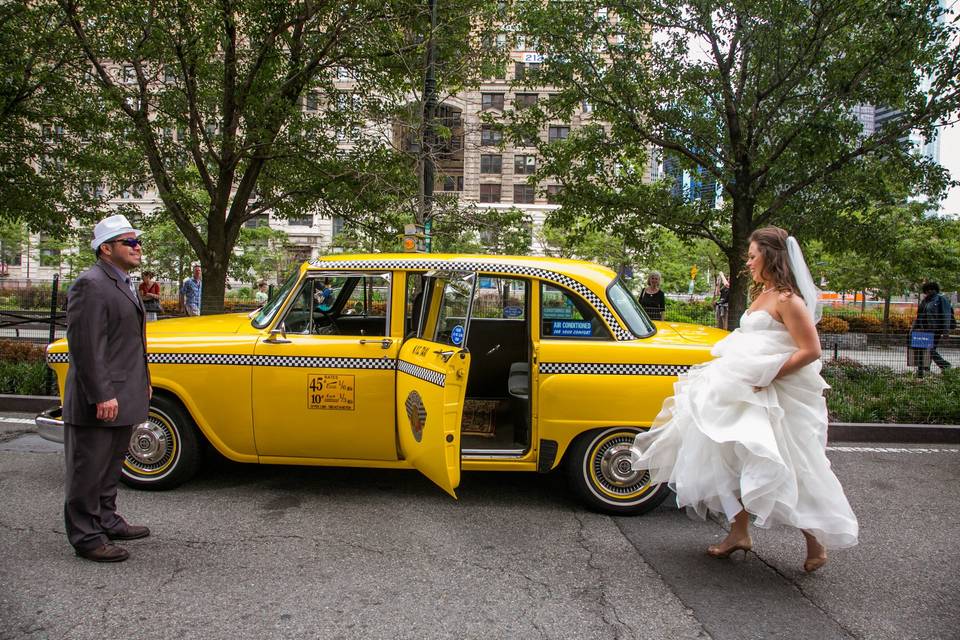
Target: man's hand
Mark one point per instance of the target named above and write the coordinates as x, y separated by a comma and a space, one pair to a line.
108, 410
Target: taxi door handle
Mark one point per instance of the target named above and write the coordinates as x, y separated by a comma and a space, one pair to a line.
445, 354
384, 343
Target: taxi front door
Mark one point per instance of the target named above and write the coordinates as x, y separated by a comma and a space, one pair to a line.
324, 388
432, 370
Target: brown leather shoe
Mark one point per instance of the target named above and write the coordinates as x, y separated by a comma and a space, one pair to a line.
105, 553
129, 532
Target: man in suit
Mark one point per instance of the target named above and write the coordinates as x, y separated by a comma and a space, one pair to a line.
107, 391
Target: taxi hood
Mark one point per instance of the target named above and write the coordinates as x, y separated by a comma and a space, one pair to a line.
692, 333
224, 323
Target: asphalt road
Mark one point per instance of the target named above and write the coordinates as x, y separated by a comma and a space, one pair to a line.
285, 552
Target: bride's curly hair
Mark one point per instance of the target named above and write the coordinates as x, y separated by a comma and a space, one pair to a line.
772, 245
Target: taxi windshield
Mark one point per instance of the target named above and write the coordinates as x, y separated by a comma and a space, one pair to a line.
629, 310
266, 312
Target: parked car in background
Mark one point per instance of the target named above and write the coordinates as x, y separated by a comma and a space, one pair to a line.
417, 361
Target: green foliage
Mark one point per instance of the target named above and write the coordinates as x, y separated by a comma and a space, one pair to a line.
23, 378
756, 97
877, 394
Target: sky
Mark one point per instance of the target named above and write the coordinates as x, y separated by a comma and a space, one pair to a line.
950, 159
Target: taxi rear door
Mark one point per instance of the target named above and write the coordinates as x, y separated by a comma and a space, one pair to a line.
432, 370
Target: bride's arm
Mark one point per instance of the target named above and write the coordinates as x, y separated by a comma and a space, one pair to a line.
802, 330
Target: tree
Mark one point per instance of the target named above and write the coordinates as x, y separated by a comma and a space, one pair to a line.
239, 101
757, 98
54, 165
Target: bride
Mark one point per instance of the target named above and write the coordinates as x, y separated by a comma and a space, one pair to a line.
745, 434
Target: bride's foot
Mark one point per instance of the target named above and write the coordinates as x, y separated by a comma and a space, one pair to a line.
816, 554
729, 546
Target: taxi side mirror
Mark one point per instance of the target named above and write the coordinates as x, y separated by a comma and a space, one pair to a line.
278, 335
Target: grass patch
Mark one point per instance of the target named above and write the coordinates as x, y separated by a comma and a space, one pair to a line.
862, 393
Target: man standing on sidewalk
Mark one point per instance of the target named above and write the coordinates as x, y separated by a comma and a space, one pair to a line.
190, 293
107, 391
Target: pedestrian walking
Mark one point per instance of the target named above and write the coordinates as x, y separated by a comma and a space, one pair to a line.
190, 292
745, 435
262, 295
107, 391
721, 300
150, 295
934, 316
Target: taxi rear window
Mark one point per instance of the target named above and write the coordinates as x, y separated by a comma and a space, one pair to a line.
629, 310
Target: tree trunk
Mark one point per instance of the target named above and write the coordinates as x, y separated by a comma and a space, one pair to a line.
736, 260
863, 302
214, 286
886, 310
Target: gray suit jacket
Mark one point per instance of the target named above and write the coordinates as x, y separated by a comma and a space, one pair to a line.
106, 336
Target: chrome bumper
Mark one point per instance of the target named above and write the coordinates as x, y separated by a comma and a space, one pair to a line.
50, 425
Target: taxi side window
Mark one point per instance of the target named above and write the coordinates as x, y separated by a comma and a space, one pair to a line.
339, 304
564, 314
499, 297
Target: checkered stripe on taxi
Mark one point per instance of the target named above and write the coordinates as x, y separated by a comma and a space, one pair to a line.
305, 362
513, 269
601, 368
433, 377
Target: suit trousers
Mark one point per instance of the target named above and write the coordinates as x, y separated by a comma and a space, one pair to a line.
94, 458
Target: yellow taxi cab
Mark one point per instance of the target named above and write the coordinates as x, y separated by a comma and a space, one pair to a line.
439, 363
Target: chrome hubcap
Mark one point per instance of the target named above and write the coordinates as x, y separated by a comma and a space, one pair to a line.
149, 443
615, 466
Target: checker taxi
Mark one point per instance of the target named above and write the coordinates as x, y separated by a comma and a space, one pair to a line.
439, 363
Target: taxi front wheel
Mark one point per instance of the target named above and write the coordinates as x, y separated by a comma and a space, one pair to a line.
598, 468
164, 451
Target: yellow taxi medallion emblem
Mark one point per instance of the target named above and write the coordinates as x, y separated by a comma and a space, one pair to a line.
417, 414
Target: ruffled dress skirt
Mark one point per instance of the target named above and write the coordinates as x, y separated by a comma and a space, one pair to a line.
720, 444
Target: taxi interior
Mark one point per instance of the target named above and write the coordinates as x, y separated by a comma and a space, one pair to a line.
496, 416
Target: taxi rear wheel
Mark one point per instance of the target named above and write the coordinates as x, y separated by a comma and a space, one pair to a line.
598, 469
164, 451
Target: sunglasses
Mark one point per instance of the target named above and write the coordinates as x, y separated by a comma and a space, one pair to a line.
128, 242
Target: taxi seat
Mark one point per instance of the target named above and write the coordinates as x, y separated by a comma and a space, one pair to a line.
518, 386
518, 382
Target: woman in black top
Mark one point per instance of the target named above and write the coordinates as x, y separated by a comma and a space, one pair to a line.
651, 298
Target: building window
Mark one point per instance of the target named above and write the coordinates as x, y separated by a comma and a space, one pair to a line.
528, 140
490, 135
491, 163
262, 220
587, 106
10, 253
129, 74
520, 69
523, 193
558, 133
339, 224
49, 252
553, 190
310, 104
492, 101
301, 221
489, 193
525, 100
525, 165
453, 183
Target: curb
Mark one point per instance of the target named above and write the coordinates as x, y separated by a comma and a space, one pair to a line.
902, 433
27, 404
836, 432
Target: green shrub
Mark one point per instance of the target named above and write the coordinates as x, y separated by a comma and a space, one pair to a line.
862, 393
23, 378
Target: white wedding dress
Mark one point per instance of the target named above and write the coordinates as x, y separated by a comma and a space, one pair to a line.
718, 443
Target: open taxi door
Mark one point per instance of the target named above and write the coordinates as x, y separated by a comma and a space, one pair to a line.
432, 370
